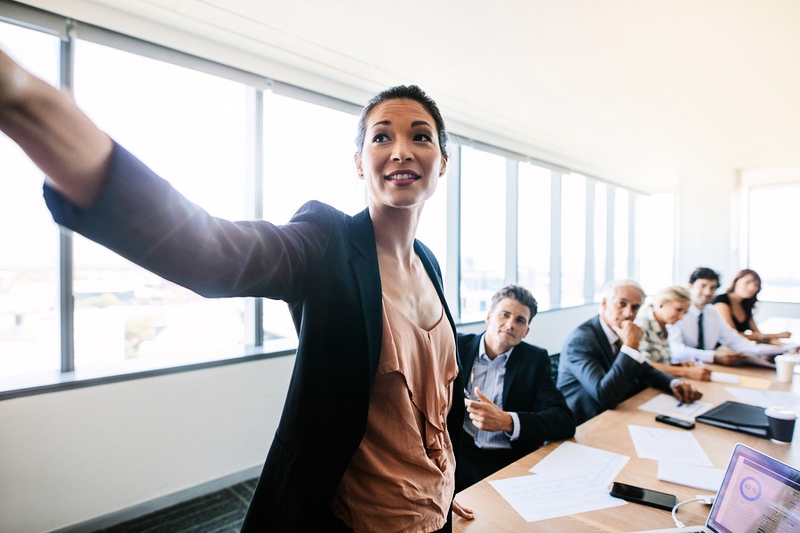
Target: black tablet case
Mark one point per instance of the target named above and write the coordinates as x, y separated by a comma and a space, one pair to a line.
737, 416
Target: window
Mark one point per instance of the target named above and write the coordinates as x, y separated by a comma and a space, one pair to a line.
483, 230
189, 127
773, 234
29, 320
601, 240
573, 239
533, 234
308, 155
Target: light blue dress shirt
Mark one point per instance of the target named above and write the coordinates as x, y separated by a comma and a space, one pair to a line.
488, 375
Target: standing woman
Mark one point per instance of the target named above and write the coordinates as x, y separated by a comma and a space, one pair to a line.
370, 426
736, 307
668, 306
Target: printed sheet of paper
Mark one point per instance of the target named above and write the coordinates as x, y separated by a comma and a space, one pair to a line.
698, 477
668, 445
765, 398
750, 382
664, 404
544, 496
570, 459
724, 377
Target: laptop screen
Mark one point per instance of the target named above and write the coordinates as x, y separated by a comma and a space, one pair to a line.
758, 493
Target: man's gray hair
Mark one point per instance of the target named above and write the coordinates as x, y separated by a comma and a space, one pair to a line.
613, 286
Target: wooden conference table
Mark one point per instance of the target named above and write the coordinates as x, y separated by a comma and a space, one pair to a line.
609, 431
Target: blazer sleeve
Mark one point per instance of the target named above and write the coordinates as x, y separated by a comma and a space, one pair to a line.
606, 385
548, 417
146, 220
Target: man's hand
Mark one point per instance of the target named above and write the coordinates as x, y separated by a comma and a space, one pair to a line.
686, 392
463, 512
487, 416
629, 333
698, 372
726, 356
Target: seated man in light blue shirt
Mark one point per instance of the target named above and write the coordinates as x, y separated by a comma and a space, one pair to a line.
703, 335
513, 405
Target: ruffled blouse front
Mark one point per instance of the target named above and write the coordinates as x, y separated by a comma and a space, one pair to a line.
401, 478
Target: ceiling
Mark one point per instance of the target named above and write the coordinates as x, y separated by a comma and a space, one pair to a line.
633, 91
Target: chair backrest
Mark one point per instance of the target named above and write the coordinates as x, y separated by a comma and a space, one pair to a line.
554, 357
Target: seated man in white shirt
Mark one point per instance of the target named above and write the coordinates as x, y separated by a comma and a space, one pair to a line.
696, 336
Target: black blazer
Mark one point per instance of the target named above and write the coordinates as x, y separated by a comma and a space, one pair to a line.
529, 391
325, 265
593, 379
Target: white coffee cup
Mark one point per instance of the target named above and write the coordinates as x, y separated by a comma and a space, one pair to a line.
784, 368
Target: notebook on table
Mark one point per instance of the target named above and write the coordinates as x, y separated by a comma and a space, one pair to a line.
758, 493
742, 417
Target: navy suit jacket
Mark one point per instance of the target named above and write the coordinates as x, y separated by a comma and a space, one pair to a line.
593, 379
529, 391
324, 264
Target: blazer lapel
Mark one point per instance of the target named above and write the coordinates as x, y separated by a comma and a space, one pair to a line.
602, 340
427, 262
513, 365
364, 262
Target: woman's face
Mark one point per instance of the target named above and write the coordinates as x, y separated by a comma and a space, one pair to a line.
746, 286
672, 311
401, 161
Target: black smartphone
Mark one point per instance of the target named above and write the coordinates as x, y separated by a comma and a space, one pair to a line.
677, 422
653, 498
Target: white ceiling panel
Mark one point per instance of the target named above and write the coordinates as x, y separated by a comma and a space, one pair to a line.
627, 89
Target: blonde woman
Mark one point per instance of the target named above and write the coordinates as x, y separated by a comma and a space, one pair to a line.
668, 306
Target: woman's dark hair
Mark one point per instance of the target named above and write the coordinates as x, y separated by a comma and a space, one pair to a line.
749, 303
403, 92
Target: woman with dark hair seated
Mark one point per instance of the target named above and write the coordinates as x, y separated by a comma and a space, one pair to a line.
736, 307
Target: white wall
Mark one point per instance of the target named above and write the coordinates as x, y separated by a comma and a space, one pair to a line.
704, 232
72, 456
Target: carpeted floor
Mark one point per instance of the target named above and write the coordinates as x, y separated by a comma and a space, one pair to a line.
219, 512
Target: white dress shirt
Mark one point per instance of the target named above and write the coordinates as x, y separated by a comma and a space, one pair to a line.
683, 336
636, 355
627, 350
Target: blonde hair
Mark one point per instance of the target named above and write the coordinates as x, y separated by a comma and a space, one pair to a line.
674, 293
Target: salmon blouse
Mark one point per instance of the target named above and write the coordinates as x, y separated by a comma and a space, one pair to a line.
401, 478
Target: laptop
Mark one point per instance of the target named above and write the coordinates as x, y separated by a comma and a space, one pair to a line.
758, 493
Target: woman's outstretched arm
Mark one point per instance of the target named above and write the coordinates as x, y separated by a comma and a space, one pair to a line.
53, 132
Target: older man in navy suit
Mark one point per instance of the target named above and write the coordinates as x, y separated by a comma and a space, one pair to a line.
600, 364
513, 405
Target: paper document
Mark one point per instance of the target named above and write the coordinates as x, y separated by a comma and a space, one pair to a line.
599, 466
765, 398
664, 404
545, 496
724, 377
698, 477
668, 445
